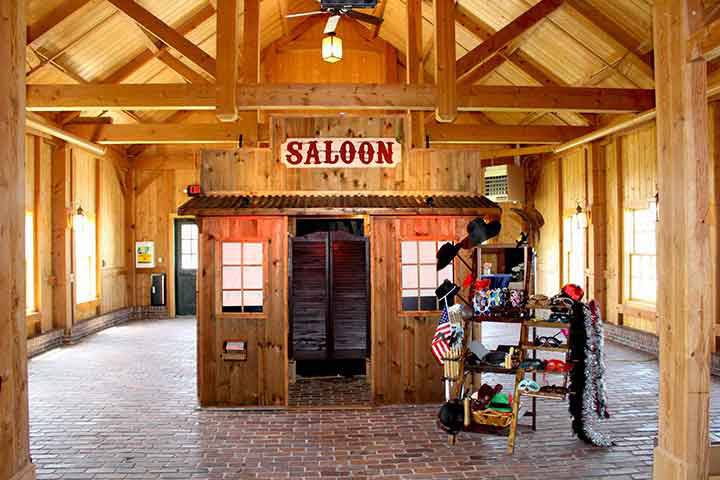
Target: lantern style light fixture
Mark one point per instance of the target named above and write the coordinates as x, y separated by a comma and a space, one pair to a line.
332, 50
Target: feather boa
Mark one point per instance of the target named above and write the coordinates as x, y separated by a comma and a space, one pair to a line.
588, 397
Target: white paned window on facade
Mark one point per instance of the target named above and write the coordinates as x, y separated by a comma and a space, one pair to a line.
420, 277
640, 254
189, 246
242, 277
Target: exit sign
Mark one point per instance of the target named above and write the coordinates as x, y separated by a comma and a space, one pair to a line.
193, 190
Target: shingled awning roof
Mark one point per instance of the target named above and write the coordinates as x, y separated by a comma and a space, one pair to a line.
303, 204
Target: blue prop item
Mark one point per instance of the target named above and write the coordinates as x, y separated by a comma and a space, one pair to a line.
498, 280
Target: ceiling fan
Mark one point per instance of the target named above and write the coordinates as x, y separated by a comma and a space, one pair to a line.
336, 9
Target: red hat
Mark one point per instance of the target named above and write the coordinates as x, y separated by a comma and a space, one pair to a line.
573, 291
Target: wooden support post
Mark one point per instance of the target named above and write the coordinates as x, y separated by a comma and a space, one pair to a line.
130, 205
62, 239
414, 70
445, 78
251, 54
227, 65
597, 240
685, 283
14, 424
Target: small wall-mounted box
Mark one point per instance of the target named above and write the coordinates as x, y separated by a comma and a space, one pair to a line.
234, 350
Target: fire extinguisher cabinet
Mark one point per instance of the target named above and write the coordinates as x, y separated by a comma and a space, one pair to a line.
157, 289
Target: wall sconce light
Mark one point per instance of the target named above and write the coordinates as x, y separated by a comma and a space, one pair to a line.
581, 218
332, 49
78, 219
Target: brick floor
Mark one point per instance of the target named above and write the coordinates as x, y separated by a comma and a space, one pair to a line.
329, 391
122, 405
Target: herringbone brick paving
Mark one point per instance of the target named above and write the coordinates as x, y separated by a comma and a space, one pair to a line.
122, 405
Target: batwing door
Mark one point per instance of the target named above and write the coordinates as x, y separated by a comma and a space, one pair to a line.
330, 296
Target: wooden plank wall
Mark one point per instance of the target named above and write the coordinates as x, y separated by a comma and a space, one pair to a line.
403, 369
98, 185
157, 192
364, 60
254, 170
262, 379
620, 172
38, 196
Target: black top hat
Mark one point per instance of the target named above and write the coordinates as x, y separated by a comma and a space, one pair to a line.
446, 254
447, 289
479, 231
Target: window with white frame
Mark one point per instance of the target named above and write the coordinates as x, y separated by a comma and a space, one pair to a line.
242, 277
85, 259
30, 305
189, 246
639, 249
420, 277
574, 238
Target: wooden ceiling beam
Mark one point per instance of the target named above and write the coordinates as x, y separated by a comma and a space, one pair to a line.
445, 67
165, 133
336, 96
53, 18
227, 55
179, 67
126, 70
503, 37
705, 43
167, 34
515, 134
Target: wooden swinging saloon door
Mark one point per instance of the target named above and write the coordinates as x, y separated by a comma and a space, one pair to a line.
330, 296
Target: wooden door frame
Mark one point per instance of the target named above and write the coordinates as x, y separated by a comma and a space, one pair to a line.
292, 229
171, 261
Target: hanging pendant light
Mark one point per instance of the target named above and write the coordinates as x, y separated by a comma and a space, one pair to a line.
332, 50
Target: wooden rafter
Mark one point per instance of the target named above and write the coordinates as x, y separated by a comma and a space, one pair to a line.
515, 134
332, 96
126, 70
53, 18
705, 43
610, 27
503, 37
167, 34
520, 59
53, 58
227, 55
445, 74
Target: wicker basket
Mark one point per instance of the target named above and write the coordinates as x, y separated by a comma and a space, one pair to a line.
492, 418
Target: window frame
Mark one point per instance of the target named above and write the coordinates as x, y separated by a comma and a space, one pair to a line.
219, 279
569, 252
629, 238
95, 297
399, 291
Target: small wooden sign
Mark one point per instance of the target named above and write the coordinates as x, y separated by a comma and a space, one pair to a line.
341, 153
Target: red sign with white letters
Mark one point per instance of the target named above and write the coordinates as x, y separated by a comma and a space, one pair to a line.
341, 153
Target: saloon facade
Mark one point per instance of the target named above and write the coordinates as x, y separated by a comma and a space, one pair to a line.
327, 279
112, 108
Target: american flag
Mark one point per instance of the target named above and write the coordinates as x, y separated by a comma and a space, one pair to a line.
441, 340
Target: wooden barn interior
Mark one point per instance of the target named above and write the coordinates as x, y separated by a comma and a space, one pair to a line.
145, 163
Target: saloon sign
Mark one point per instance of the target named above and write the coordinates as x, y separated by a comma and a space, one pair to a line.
341, 153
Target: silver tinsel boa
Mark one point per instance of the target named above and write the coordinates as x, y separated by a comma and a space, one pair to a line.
588, 401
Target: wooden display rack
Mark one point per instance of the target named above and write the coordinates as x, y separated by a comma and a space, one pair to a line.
526, 346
